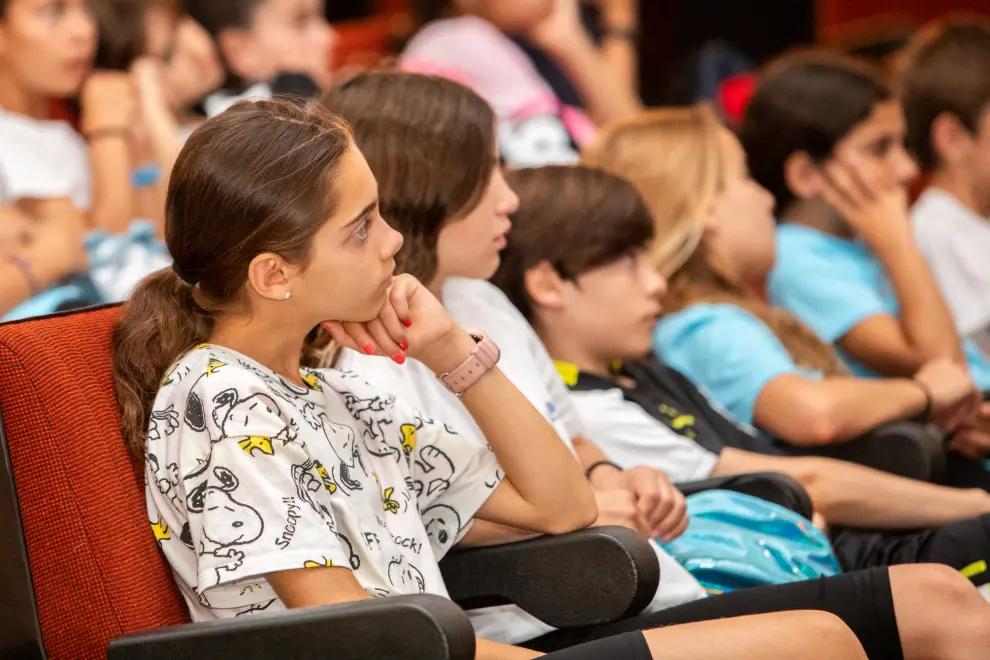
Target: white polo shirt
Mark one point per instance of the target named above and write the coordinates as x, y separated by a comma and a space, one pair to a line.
956, 244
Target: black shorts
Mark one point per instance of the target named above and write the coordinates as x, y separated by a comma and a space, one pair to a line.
961, 545
862, 599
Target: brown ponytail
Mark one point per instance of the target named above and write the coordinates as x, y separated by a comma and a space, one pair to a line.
257, 178
161, 321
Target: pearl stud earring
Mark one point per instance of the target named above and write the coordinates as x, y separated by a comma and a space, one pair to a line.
288, 294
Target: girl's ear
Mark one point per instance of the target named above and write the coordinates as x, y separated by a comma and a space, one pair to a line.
950, 140
544, 286
271, 277
802, 176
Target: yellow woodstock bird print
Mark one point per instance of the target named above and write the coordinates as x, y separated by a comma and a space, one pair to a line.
312, 381
213, 365
408, 438
322, 471
388, 504
262, 444
161, 530
316, 564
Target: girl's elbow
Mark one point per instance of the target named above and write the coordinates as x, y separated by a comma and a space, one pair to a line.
581, 512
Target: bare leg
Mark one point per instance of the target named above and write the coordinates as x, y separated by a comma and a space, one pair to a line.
795, 635
940, 615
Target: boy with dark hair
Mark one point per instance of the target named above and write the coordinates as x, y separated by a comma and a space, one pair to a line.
945, 89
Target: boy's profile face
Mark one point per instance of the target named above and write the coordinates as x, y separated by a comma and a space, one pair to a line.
612, 310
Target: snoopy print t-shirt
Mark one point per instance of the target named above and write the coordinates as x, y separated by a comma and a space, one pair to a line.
248, 474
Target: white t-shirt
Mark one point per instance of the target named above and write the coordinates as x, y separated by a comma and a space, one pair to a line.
220, 101
478, 304
629, 436
956, 243
42, 160
249, 474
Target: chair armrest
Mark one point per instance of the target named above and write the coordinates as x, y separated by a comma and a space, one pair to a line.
770, 486
909, 449
407, 627
583, 578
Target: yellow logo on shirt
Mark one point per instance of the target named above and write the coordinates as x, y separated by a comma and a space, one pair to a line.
262, 444
408, 438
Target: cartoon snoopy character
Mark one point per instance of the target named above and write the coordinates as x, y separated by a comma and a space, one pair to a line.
341, 441
243, 417
435, 467
405, 576
375, 416
225, 522
443, 524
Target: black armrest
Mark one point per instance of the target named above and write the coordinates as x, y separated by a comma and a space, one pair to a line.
407, 627
770, 486
584, 578
908, 449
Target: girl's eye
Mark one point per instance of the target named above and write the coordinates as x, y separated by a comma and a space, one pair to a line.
362, 233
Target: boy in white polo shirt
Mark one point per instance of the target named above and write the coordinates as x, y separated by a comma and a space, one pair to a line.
946, 96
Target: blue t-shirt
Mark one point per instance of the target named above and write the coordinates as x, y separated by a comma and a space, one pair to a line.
727, 351
833, 284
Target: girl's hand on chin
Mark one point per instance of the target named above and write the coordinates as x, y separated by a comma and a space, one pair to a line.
413, 323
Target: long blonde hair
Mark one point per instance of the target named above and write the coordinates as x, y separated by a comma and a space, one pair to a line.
674, 158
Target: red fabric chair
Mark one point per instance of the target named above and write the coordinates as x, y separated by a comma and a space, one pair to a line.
95, 568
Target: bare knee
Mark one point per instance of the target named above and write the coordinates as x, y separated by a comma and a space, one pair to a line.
940, 614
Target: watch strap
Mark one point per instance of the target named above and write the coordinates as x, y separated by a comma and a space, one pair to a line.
482, 359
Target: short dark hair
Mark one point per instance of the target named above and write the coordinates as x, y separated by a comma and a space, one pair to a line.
947, 69
806, 101
574, 218
430, 142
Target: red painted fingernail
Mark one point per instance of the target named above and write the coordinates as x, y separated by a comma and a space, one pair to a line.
404, 345
368, 348
407, 323
399, 358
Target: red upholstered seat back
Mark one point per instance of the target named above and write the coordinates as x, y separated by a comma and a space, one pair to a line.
96, 570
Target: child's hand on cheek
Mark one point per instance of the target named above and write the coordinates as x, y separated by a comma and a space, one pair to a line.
412, 322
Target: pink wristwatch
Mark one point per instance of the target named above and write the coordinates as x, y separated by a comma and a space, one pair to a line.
482, 359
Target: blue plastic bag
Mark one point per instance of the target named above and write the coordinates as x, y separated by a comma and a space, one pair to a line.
735, 541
